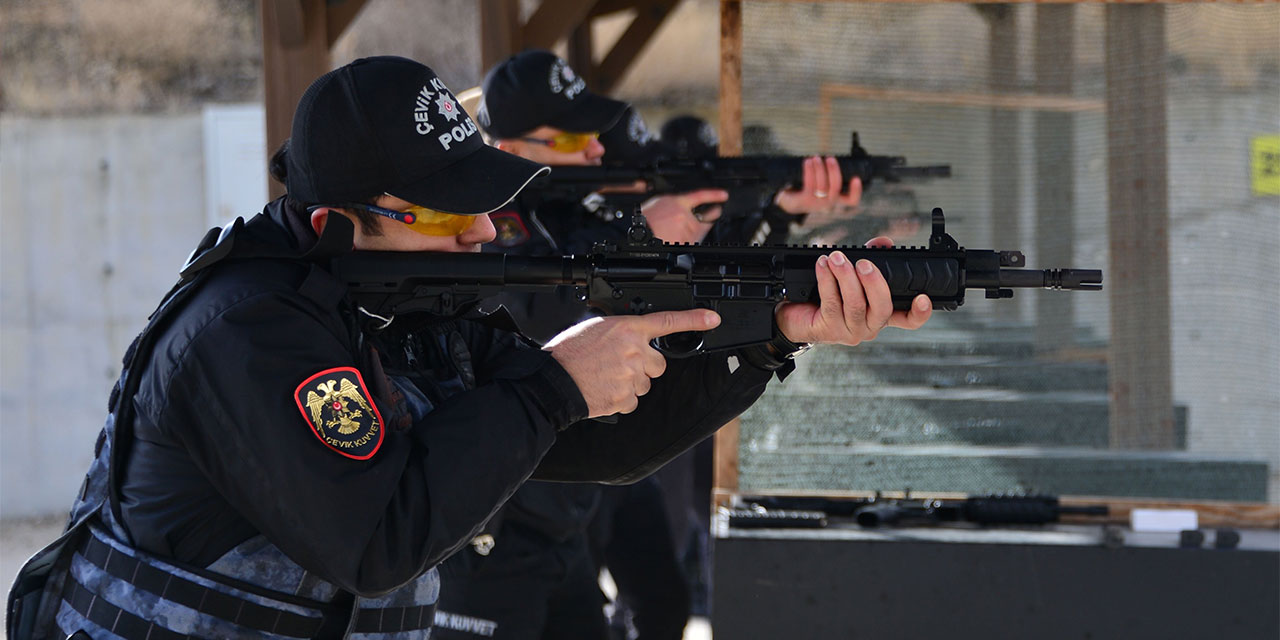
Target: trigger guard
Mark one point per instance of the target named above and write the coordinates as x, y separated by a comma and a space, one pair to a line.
677, 352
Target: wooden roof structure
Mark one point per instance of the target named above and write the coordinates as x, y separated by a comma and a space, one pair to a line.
298, 37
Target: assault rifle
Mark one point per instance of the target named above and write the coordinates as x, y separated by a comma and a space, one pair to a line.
643, 274
766, 174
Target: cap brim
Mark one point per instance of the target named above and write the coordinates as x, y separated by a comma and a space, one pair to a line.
479, 183
590, 113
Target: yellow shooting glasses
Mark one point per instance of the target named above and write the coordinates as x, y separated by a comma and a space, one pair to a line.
566, 142
437, 223
426, 221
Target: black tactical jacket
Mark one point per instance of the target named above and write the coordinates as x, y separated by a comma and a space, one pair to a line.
223, 449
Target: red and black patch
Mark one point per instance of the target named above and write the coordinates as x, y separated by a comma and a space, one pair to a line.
337, 406
510, 228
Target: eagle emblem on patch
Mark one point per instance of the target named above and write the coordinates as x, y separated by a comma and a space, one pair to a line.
510, 229
337, 406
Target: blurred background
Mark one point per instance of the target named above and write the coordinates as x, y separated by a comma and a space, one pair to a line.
1145, 144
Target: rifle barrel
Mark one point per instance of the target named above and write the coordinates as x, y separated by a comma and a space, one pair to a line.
928, 171
1069, 279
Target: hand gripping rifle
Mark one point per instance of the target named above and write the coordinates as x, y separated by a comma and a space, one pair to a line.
767, 174
643, 275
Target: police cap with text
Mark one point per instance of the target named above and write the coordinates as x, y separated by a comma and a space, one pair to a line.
389, 125
535, 89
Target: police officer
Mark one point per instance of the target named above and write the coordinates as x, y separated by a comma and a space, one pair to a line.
529, 575
277, 463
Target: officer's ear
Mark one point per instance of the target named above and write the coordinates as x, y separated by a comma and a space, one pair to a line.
319, 218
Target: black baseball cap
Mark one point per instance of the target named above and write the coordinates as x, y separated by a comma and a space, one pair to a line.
534, 89
630, 140
690, 137
388, 124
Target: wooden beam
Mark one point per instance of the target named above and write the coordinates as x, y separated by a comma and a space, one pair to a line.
288, 69
1054, 144
606, 7
580, 54
730, 78
552, 21
289, 28
1141, 362
499, 31
649, 18
987, 2
339, 16
1017, 101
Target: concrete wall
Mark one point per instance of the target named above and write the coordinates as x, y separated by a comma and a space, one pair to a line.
98, 215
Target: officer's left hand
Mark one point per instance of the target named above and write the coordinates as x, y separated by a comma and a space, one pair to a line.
820, 191
672, 217
855, 305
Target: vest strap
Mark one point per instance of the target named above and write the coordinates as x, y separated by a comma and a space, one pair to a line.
210, 602
191, 595
112, 618
395, 619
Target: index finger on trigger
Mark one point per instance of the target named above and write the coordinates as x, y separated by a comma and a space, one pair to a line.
711, 214
665, 323
703, 196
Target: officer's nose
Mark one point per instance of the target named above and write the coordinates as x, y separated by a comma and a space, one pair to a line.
480, 231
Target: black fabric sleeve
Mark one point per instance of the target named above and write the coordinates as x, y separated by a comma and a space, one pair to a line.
692, 399
366, 525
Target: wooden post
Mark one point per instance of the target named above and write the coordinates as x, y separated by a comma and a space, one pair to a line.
1003, 137
1054, 143
1138, 201
500, 31
825, 106
295, 51
725, 480
730, 77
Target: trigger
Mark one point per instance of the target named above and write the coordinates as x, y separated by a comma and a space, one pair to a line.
678, 345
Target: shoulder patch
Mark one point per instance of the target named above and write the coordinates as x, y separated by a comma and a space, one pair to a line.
337, 406
510, 228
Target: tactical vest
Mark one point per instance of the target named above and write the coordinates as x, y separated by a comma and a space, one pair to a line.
90, 580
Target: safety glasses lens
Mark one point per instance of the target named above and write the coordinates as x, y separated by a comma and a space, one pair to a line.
572, 142
438, 223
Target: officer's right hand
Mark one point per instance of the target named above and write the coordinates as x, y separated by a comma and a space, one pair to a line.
611, 359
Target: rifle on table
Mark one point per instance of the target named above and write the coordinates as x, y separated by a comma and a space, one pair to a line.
643, 275
983, 510
767, 174
811, 511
